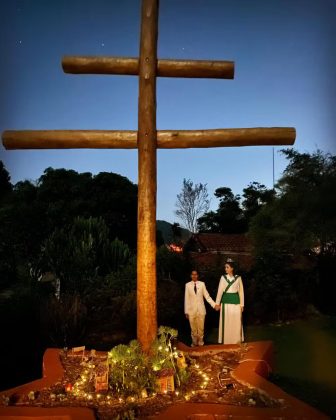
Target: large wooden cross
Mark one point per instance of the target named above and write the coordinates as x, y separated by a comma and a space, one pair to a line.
147, 139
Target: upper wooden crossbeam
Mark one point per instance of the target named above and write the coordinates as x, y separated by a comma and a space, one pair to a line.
166, 139
164, 68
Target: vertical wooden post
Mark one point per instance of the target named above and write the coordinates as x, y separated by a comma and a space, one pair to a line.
146, 261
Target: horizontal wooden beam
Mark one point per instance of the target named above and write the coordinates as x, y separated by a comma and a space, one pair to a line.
69, 139
226, 137
165, 68
166, 139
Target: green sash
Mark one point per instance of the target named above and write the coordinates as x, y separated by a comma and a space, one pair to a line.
232, 298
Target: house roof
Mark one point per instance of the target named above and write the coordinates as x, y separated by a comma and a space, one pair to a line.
219, 242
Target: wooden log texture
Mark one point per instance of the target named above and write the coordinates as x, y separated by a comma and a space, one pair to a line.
214, 69
146, 249
166, 139
230, 137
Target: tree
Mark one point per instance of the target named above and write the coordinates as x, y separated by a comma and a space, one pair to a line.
299, 224
192, 203
66, 194
255, 196
114, 197
301, 216
309, 183
81, 252
5, 184
229, 216
28, 221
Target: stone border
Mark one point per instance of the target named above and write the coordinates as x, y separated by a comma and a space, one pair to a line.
252, 371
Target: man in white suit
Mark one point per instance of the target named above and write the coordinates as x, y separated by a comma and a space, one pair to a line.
194, 308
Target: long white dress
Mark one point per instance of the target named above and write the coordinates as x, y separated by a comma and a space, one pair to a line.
233, 328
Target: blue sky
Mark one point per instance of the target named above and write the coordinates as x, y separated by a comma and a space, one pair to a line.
285, 75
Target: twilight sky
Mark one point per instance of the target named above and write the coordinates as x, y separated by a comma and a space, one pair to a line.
285, 75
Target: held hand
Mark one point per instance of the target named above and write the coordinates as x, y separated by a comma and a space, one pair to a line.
242, 308
187, 316
217, 307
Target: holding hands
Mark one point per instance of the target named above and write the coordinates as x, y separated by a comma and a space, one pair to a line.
217, 307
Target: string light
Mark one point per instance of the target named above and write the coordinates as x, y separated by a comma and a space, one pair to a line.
82, 387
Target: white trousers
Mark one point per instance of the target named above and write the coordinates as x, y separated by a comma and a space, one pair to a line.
197, 329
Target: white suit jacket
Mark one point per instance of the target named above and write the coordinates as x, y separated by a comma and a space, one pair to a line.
194, 302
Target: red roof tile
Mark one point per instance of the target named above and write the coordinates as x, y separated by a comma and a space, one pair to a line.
219, 242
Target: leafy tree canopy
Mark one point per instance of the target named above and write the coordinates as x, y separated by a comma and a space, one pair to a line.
302, 216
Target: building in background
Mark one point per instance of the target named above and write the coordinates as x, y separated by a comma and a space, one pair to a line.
210, 250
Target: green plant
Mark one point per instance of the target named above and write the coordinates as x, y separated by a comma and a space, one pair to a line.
79, 254
133, 372
129, 373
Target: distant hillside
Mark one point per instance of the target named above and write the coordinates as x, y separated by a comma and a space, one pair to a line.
167, 233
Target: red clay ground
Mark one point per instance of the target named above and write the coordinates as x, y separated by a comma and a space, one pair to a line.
250, 373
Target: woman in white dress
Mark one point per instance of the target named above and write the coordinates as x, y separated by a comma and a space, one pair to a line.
230, 297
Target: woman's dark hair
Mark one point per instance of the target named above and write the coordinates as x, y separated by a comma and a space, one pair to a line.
231, 263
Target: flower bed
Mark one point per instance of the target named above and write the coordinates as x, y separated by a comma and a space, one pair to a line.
218, 380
